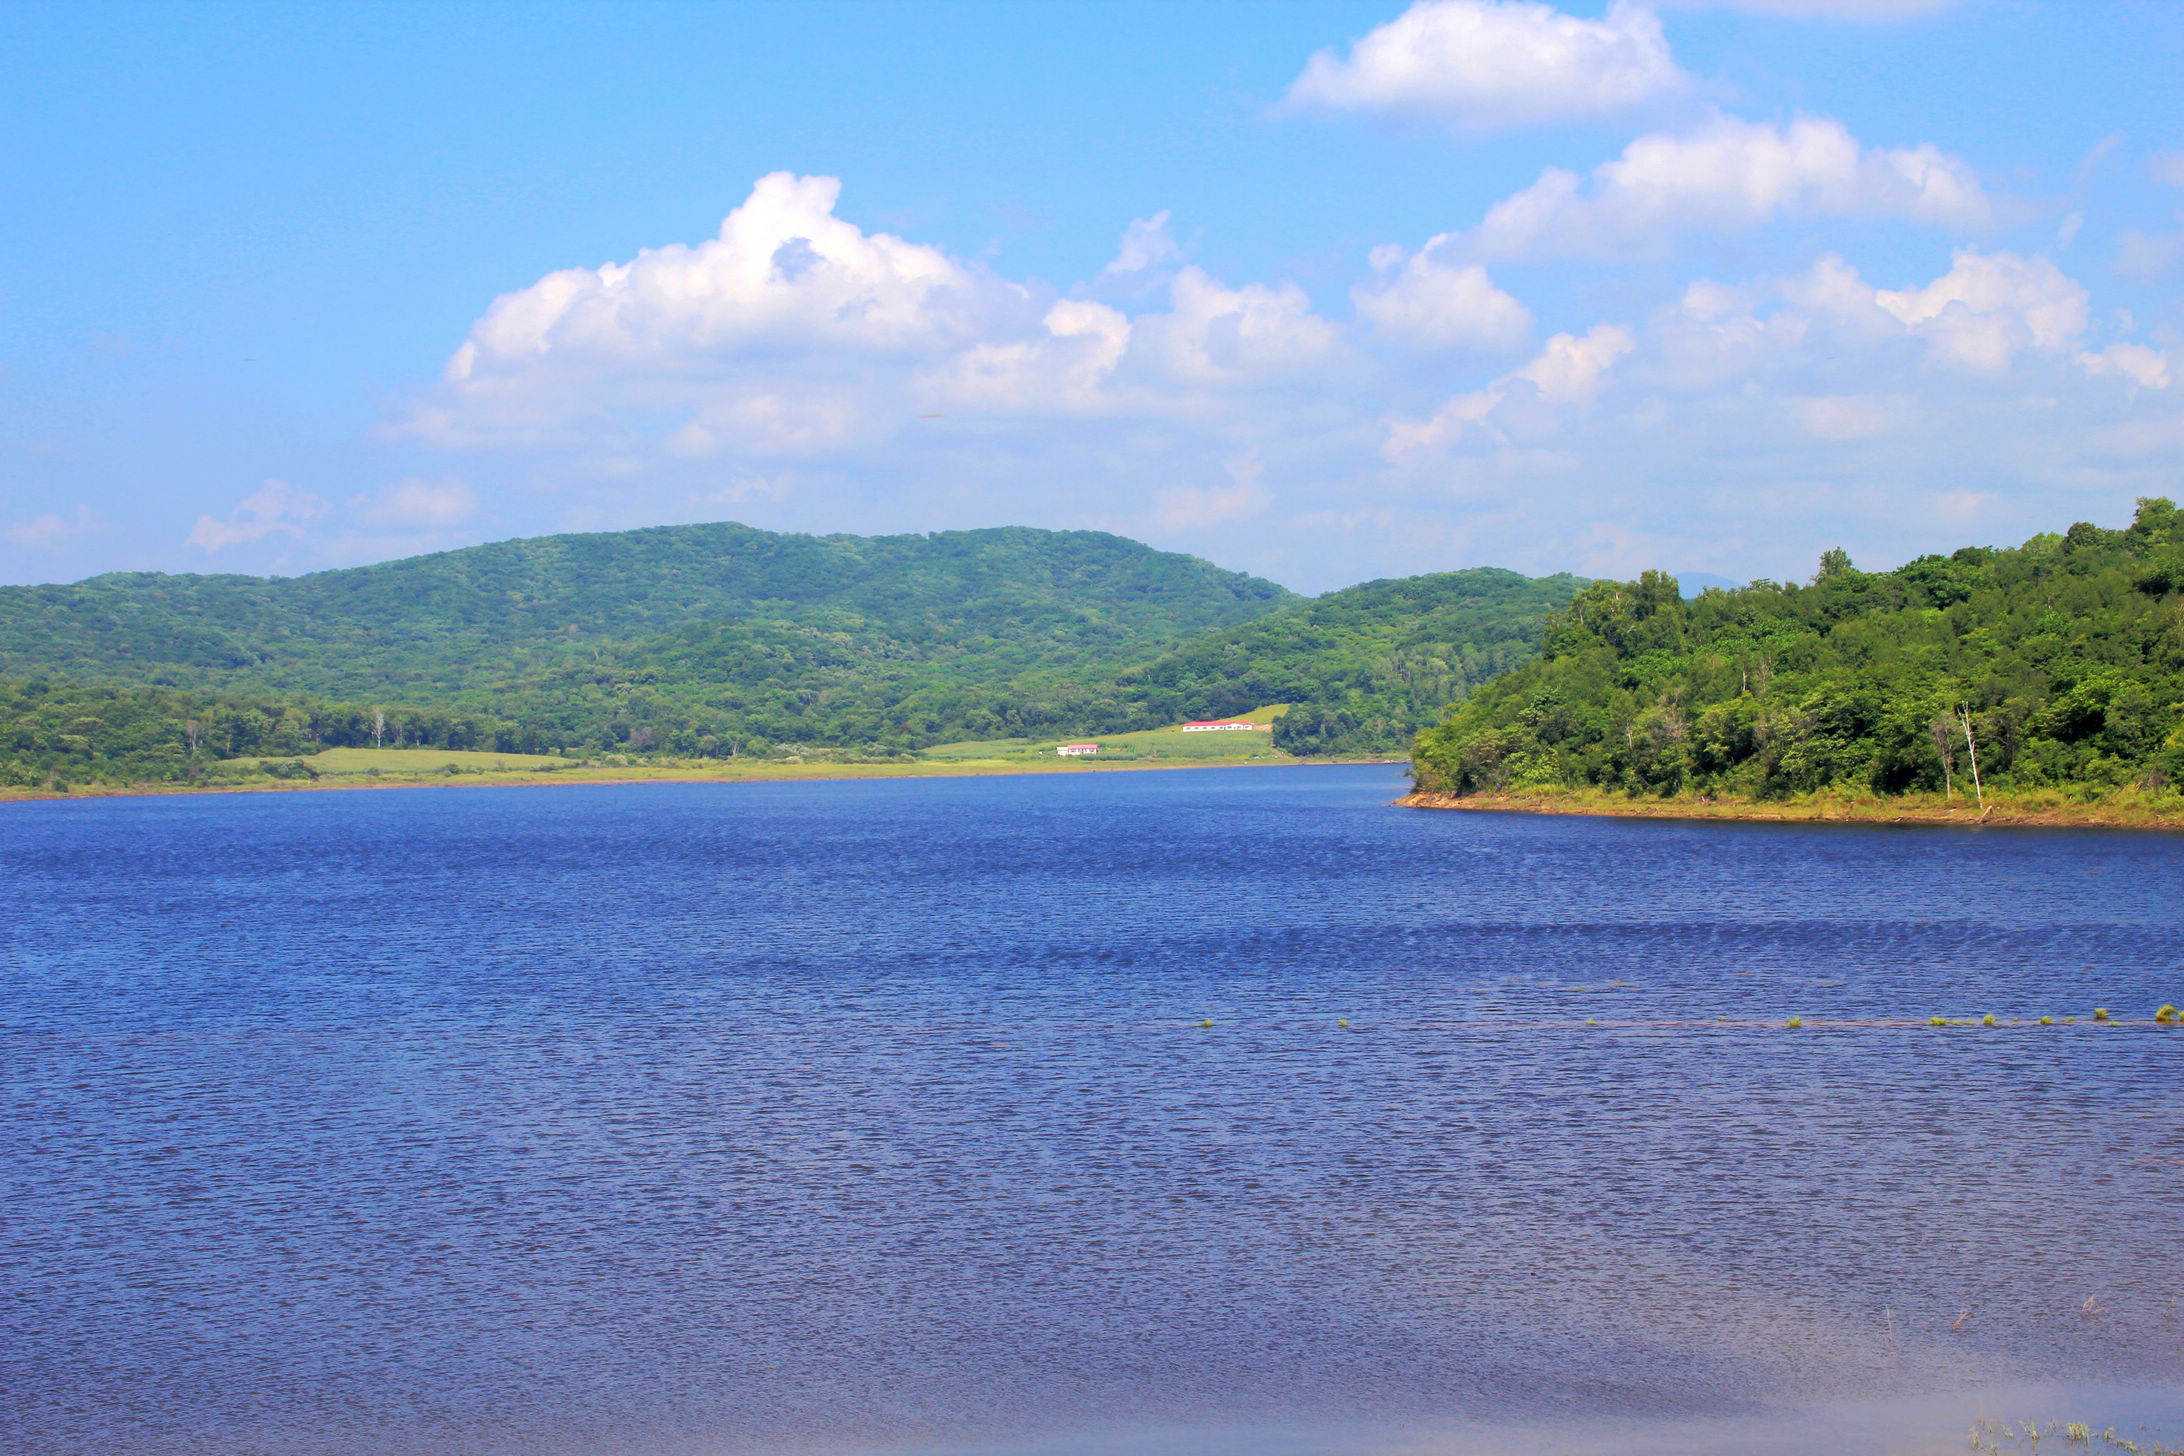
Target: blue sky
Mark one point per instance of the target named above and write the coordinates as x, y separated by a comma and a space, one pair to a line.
1323, 291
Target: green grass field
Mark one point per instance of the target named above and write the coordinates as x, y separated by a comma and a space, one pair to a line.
985, 748
358, 768
1156, 746
419, 760
1161, 744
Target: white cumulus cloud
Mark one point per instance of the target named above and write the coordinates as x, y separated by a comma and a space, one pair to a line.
2144, 366
1217, 334
276, 507
1065, 366
1487, 64
1980, 317
1863, 10
795, 333
1789, 407
1989, 306
1726, 176
1431, 301
1567, 371
1230, 416
783, 269
1146, 243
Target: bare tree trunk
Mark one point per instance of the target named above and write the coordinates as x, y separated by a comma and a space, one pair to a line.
1973, 749
379, 726
1939, 730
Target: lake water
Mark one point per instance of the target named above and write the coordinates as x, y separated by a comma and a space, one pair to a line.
878, 1117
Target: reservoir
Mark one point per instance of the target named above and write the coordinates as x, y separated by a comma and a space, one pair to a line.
886, 1117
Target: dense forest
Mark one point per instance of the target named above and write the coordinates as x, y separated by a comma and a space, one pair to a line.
704, 641
57, 732
429, 627
2059, 663
1364, 668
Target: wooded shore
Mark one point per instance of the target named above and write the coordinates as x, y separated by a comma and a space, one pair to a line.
2041, 808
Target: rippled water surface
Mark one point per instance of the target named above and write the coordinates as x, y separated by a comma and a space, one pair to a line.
881, 1117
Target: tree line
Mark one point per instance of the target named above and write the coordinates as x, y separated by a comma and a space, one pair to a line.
59, 733
998, 635
2059, 663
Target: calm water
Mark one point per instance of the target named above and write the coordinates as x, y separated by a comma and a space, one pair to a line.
878, 1117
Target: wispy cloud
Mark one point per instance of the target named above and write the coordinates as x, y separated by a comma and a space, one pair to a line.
418, 502
1727, 176
275, 508
52, 530
1567, 372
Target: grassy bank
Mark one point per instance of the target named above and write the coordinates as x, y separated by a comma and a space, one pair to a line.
1147, 748
361, 768
2118, 809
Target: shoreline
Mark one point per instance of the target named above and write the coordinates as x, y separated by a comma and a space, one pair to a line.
617, 776
2042, 809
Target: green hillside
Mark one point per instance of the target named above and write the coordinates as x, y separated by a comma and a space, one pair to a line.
429, 627
2067, 654
1366, 667
720, 641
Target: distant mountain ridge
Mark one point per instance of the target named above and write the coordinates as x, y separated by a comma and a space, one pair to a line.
721, 639
440, 624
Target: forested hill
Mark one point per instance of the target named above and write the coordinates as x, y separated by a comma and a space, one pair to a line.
430, 627
703, 641
1366, 667
2067, 655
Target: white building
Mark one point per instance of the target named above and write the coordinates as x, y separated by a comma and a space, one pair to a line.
1226, 725
1077, 750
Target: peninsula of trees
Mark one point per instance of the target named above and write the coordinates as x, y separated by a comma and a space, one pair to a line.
2057, 665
